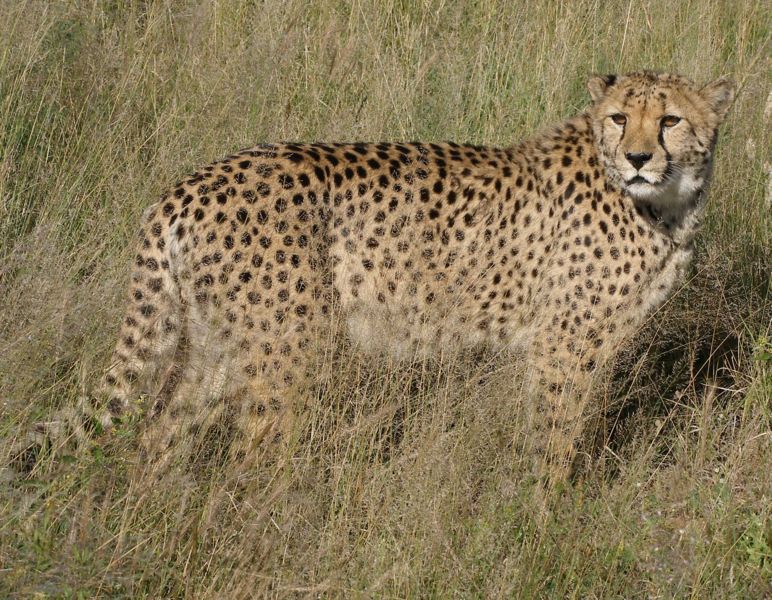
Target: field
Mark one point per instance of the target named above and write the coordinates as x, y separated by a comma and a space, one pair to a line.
405, 480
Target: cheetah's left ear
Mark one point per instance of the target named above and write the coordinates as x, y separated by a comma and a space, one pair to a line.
598, 85
719, 95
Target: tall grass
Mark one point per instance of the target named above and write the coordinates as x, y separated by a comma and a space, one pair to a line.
404, 481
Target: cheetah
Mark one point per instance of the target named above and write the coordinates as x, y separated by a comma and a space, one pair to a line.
554, 249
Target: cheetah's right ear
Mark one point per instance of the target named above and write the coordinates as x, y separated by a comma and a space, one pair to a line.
719, 94
598, 85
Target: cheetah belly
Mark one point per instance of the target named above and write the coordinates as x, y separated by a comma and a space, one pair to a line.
408, 319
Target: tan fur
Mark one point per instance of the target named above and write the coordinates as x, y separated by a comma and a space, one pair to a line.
542, 249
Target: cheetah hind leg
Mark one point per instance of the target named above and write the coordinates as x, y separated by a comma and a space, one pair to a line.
268, 376
207, 424
267, 412
195, 406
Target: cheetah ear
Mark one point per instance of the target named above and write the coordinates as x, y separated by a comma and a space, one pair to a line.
598, 85
719, 95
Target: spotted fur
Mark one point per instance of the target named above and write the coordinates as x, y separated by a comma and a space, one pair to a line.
554, 249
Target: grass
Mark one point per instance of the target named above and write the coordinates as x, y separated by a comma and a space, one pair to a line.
405, 481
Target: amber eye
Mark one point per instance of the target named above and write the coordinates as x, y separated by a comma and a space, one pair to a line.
619, 119
670, 121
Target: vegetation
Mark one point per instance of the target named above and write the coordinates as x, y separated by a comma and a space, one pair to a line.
405, 480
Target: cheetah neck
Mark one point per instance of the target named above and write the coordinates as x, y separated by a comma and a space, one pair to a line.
675, 213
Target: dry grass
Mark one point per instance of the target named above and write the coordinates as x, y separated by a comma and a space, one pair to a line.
404, 481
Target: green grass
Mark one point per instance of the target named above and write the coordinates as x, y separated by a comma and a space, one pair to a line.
405, 481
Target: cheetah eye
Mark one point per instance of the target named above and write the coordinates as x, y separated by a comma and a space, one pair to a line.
670, 121
619, 119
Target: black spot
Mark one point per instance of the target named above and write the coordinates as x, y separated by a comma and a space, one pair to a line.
569, 190
263, 189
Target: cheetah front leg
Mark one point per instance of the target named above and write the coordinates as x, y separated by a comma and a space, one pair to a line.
557, 422
564, 368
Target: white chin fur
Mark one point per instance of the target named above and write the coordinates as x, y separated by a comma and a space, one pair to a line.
677, 190
643, 191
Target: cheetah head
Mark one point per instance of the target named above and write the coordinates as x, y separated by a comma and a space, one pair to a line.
655, 133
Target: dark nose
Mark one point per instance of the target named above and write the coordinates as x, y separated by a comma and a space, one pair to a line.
637, 159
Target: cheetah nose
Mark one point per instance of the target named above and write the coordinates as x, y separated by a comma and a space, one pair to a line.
638, 159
